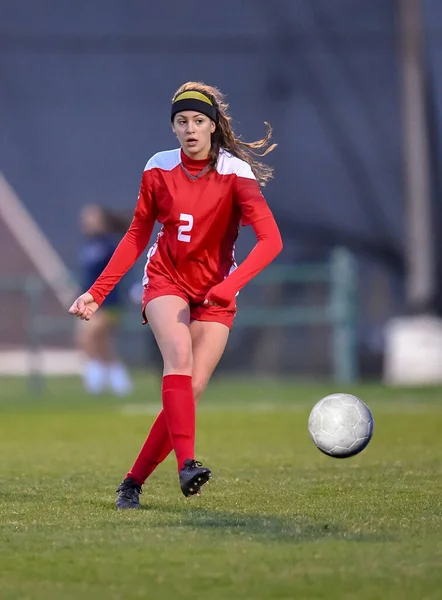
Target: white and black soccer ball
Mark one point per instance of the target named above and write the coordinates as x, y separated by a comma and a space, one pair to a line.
340, 425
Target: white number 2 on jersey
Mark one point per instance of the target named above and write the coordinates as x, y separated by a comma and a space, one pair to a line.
183, 230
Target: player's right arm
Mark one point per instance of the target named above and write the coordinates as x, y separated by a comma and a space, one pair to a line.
126, 254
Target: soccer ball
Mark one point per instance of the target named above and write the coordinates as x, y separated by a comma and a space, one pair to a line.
340, 425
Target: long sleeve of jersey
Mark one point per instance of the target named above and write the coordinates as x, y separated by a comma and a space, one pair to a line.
255, 212
131, 246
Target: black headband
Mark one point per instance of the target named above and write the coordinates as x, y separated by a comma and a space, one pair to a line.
192, 100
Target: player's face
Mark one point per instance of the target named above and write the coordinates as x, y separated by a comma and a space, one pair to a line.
92, 220
194, 131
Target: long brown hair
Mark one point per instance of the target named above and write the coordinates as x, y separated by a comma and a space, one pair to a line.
115, 222
224, 136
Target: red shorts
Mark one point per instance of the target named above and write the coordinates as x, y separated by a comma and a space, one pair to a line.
198, 312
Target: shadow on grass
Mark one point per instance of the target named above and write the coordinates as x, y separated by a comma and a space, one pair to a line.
258, 526
292, 529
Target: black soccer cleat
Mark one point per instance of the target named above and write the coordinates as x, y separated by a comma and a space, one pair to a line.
128, 494
192, 476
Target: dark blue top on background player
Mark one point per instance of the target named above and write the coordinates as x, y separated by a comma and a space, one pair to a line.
95, 253
100, 229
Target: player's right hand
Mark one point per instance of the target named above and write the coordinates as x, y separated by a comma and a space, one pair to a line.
84, 307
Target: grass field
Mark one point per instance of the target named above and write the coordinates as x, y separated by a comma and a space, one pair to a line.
278, 521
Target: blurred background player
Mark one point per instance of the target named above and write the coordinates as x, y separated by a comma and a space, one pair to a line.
103, 369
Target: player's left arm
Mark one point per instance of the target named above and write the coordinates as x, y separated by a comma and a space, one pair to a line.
255, 212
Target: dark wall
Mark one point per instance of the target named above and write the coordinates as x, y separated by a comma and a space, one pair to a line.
85, 91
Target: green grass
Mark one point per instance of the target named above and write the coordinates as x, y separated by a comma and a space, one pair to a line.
278, 521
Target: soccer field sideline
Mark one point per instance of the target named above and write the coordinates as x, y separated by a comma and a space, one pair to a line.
152, 409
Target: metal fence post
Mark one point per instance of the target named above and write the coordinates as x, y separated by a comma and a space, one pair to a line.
344, 317
33, 288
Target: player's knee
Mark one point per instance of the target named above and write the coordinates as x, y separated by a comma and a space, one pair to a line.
198, 386
179, 357
83, 337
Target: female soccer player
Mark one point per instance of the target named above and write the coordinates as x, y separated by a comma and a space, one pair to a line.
102, 369
200, 193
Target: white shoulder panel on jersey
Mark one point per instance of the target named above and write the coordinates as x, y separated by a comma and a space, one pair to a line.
166, 161
231, 165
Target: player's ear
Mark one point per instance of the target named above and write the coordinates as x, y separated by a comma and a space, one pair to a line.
173, 125
212, 126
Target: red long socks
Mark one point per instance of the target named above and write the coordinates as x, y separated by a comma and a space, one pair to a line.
173, 428
156, 448
179, 410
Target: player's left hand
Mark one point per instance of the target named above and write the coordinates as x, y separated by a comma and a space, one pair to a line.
218, 296
210, 303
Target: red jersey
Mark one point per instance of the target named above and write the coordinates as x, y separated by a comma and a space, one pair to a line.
200, 212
